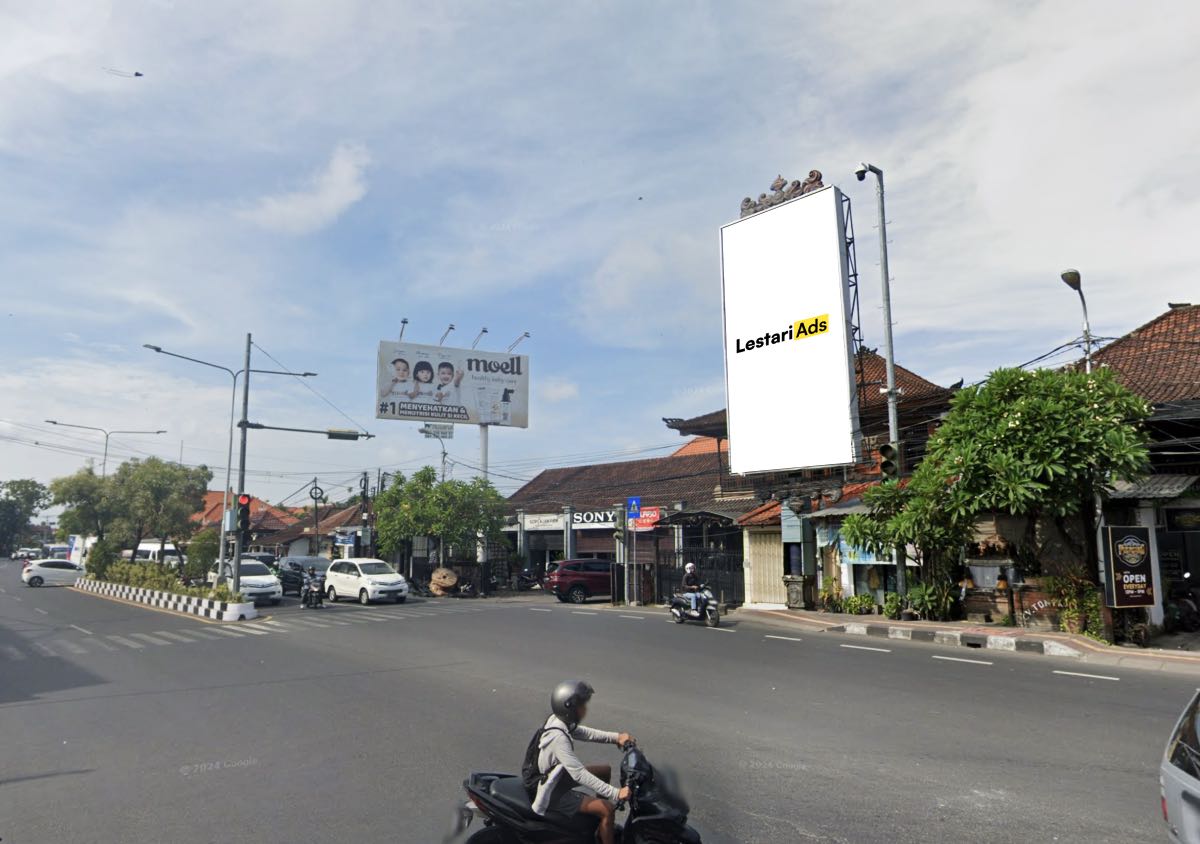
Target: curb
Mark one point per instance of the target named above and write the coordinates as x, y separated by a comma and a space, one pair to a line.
183, 604
965, 639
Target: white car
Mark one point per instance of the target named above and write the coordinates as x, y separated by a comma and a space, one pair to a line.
365, 578
51, 573
257, 582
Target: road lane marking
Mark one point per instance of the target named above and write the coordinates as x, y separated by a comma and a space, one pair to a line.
308, 623
42, 611
146, 637
96, 640
203, 634
583, 612
129, 643
865, 648
720, 629
178, 637
225, 631
12, 652
539, 609
783, 638
69, 645
1088, 676
357, 620
960, 659
43, 649
246, 625
634, 617
81, 630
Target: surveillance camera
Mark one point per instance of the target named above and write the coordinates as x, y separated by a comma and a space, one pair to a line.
861, 172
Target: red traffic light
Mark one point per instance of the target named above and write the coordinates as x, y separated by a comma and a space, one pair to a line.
243, 500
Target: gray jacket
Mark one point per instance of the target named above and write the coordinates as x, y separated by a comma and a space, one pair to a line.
557, 759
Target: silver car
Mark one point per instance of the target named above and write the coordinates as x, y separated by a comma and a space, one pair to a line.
1179, 777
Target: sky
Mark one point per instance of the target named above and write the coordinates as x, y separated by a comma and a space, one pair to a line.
314, 172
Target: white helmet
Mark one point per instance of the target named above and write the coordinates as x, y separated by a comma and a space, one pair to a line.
690, 568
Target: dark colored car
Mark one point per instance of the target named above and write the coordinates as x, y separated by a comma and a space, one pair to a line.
578, 580
292, 569
266, 559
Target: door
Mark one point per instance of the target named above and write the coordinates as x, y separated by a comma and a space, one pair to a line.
60, 572
336, 578
598, 576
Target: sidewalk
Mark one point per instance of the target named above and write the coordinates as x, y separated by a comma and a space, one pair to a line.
989, 636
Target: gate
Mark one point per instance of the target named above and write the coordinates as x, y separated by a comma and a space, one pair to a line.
720, 570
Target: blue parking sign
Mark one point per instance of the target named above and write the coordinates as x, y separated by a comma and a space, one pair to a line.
633, 506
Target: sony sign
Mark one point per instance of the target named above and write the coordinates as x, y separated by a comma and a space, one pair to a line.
586, 519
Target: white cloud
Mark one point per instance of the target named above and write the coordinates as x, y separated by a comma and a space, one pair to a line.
330, 193
555, 389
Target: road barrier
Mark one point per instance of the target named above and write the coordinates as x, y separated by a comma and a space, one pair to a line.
203, 607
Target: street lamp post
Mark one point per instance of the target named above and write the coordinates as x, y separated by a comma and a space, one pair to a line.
889, 354
107, 434
233, 376
1074, 280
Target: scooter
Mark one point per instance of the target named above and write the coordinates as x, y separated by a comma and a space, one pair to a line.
706, 608
657, 812
313, 596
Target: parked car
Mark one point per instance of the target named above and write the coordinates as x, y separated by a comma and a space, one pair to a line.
50, 572
27, 554
578, 580
292, 571
257, 582
364, 578
1179, 777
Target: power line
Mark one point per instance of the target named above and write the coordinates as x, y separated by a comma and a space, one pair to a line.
312, 390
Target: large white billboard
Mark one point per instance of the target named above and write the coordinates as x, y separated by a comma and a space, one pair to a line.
789, 374
437, 384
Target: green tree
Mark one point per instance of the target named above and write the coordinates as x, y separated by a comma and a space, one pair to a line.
156, 499
88, 502
202, 552
20, 501
455, 512
1035, 444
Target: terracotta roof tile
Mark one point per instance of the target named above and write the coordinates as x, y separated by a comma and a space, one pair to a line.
1160, 361
700, 445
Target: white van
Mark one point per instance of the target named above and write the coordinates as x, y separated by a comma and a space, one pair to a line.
154, 551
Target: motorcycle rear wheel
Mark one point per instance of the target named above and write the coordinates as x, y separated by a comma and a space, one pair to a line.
488, 835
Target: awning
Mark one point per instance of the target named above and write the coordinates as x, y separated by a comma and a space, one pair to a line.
850, 508
1154, 486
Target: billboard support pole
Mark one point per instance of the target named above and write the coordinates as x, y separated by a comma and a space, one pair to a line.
482, 549
889, 358
237, 542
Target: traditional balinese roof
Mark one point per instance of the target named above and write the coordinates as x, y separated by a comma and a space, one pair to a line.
1160, 361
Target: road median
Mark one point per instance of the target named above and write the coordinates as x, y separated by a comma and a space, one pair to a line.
206, 608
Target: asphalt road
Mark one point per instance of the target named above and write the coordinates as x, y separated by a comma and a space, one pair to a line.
358, 724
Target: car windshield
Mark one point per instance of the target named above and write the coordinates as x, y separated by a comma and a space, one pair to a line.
253, 569
319, 563
376, 568
1184, 747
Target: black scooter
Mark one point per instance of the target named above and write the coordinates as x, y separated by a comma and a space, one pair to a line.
312, 594
657, 812
706, 608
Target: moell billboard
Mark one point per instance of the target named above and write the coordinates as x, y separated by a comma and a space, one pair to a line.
789, 373
439, 384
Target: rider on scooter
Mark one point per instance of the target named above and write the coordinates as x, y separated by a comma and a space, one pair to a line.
562, 788
691, 585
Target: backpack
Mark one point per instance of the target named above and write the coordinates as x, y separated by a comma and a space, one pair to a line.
531, 775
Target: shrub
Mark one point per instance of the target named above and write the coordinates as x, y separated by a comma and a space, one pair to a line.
100, 557
154, 576
892, 605
859, 604
831, 596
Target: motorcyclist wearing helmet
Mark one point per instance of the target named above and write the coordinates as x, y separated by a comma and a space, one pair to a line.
568, 786
691, 585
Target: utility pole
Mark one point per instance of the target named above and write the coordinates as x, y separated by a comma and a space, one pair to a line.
237, 542
484, 568
889, 353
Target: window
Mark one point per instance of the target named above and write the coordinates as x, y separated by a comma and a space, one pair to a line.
599, 567
58, 565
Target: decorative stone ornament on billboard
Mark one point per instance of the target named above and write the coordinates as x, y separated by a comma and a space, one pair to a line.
1130, 576
440, 384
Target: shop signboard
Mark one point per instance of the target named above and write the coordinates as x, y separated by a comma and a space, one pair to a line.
648, 517
543, 521
1130, 580
588, 519
440, 384
1182, 518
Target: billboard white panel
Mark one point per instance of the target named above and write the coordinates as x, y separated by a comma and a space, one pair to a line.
789, 374
438, 384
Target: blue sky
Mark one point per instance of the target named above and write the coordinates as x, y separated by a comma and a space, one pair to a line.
314, 172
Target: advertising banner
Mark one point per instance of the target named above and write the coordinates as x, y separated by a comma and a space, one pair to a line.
439, 384
1130, 580
646, 519
789, 373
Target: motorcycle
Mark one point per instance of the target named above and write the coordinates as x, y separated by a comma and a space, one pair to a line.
527, 580
657, 812
313, 593
706, 608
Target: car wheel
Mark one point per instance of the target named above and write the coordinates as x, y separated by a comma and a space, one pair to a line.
577, 595
562, 599
331, 595
36, 581
363, 597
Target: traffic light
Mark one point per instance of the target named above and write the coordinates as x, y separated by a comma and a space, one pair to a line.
243, 518
891, 460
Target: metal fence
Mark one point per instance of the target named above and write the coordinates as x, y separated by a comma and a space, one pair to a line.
720, 570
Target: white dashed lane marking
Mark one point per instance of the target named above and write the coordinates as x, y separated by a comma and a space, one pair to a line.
42, 611
783, 638
634, 617
81, 630
865, 648
146, 637
175, 637
960, 659
1087, 676
129, 643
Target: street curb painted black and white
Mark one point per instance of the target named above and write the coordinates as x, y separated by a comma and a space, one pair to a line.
215, 610
966, 639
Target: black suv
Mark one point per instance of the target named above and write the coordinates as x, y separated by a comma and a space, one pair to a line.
292, 571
